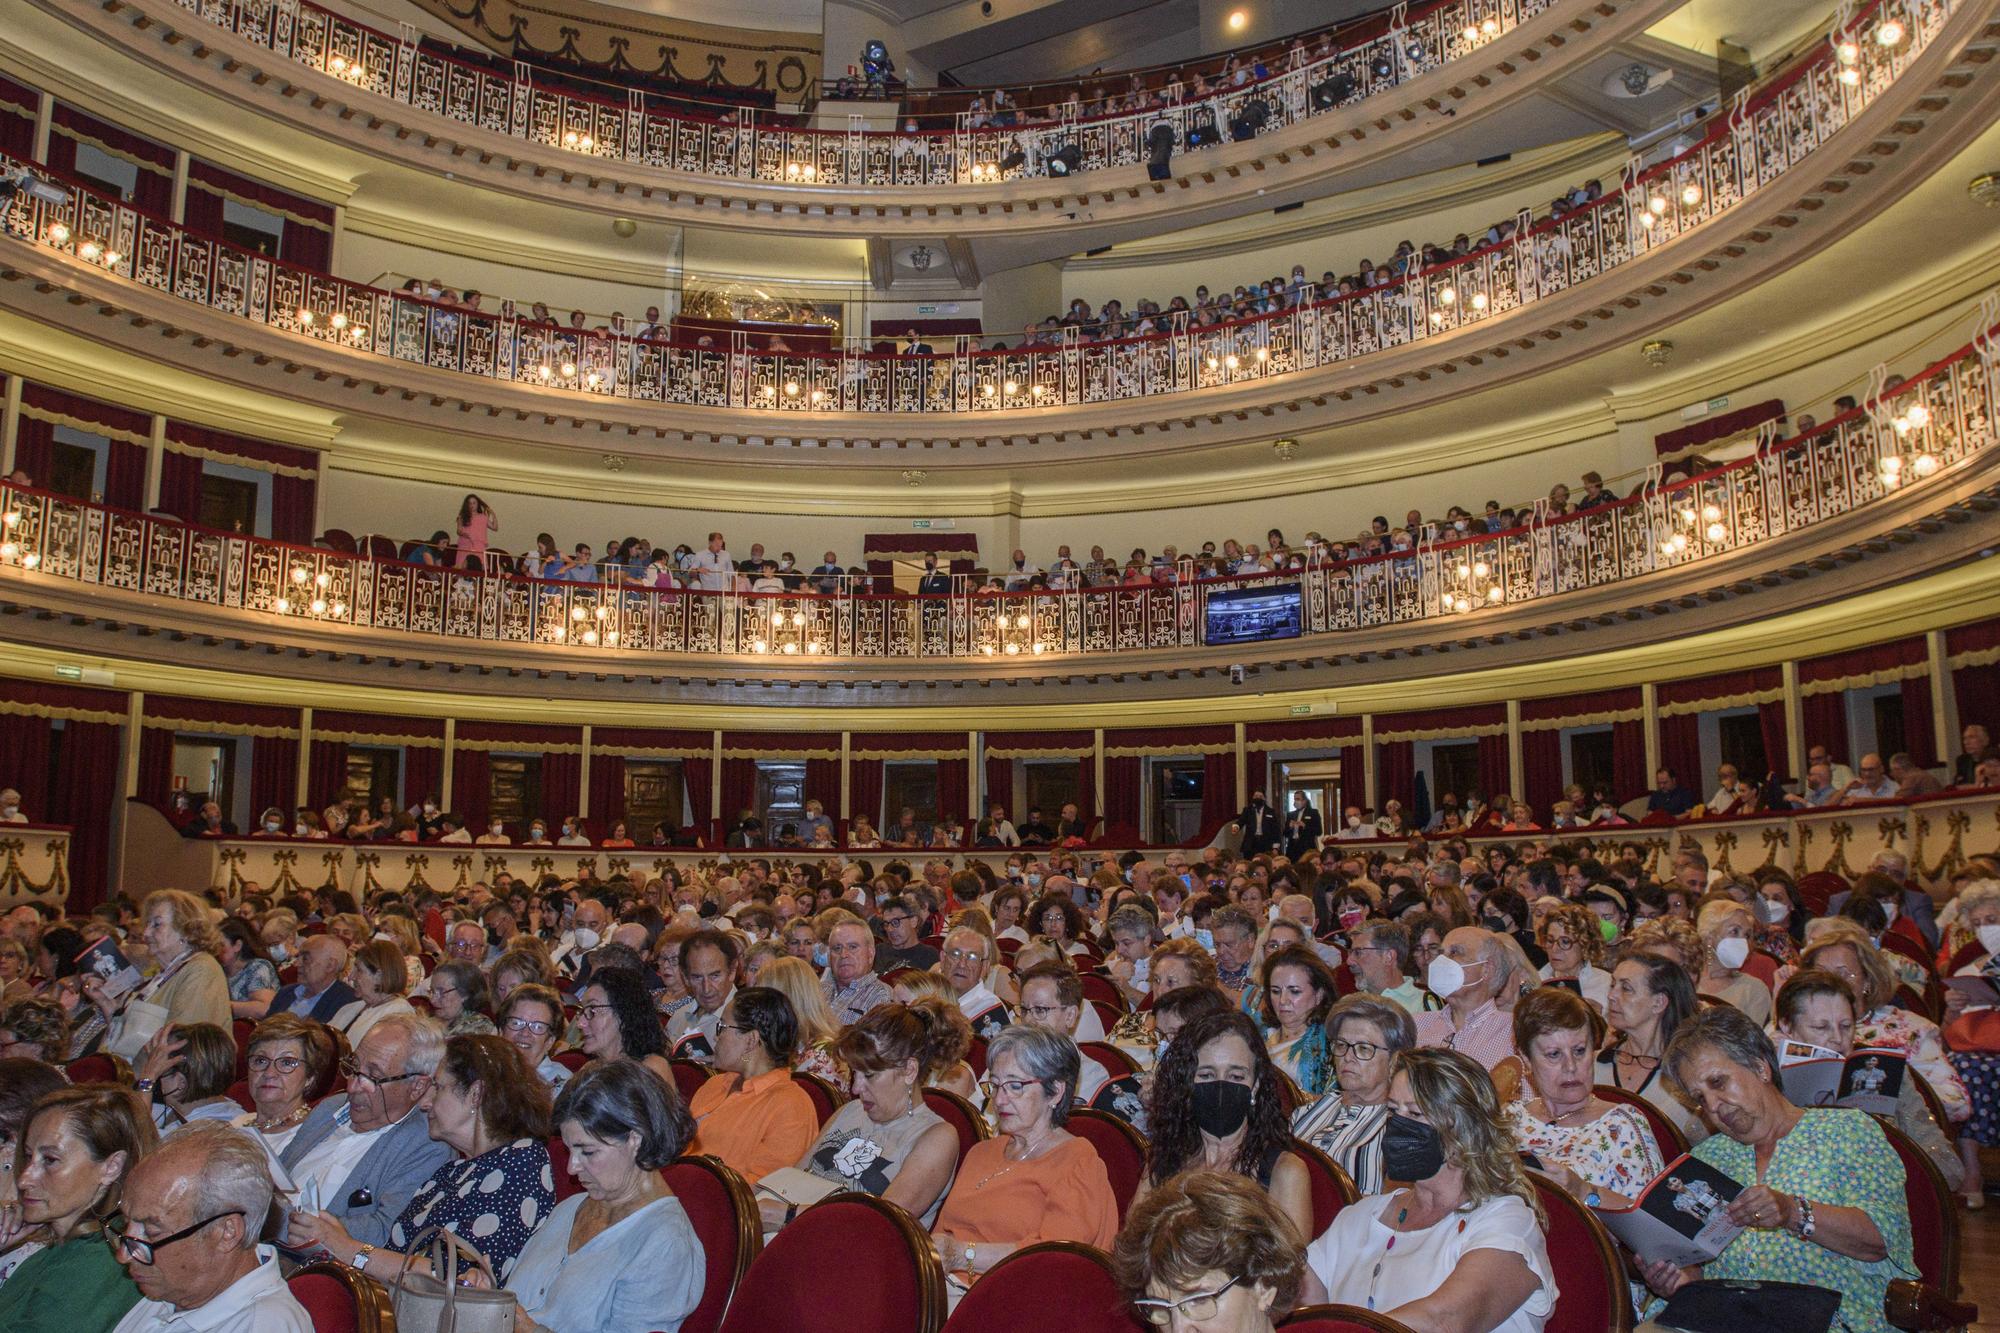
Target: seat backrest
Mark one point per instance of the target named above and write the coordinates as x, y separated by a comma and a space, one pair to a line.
339, 1300
240, 1030
239, 1092
1108, 1014
1096, 987
1668, 1135
975, 1056
723, 1210
1058, 1286
1340, 1319
1592, 1295
574, 1061
689, 1075
1114, 1062
99, 1068
1332, 1188
1119, 1146
961, 1115
566, 1184
1817, 889
338, 539
1934, 1238
826, 1098
786, 1286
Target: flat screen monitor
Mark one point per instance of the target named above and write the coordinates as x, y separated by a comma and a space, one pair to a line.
1252, 615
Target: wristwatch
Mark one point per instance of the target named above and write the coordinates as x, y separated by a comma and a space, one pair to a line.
968, 1260
143, 1085
360, 1264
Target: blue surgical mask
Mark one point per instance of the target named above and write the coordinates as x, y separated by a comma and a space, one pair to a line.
819, 956
1205, 938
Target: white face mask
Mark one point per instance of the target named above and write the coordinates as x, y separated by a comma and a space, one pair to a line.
496, 829
271, 826
1771, 912
1446, 976
586, 939
1891, 911
538, 831
1989, 938
1731, 952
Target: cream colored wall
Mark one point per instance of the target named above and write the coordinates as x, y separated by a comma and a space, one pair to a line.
366, 258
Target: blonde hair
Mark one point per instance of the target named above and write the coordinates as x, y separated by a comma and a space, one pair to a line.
796, 981
1680, 935
403, 932
1582, 923
923, 985
1458, 1099
1878, 977
189, 917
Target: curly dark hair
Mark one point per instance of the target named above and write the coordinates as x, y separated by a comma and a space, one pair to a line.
1176, 1140
639, 1030
1074, 924
1306, 960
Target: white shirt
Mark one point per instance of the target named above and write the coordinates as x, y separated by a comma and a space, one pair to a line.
977, 1000
372, 1014
1725, 799
257, 1302
713, 571
333, 1159
1353, 1261
1594, 981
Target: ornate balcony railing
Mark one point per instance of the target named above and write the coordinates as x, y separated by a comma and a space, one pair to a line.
754, 146
1900, 438
1744, 152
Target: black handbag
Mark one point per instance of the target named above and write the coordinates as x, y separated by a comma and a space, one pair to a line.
1723, 1306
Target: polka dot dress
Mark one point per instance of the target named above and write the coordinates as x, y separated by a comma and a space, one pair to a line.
494, 1202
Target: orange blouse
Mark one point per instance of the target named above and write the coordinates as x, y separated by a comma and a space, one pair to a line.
1062, 1195
755, 1126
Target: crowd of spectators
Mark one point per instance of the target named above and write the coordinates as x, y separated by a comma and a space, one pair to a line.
1460, 1033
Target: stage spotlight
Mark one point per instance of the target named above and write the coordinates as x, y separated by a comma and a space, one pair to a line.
1066, 160
1014, 160
1201, 130
1249, 119
1331, 91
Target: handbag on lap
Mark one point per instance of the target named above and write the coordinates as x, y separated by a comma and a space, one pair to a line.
428, 1304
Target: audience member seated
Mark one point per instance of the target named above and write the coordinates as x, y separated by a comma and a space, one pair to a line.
708, 961
1034, 1181
1727, 928
1461, 1245
850, 983
531, 1020
1298, 989
367, 1150
622, 1256
34, 1030
1470, 976
751, 1114
1844, 949
380, 978
462, 1000
286, 1057
1650, 998
615, 1019
189, 985
1365, 1033
1602, 1153
192, 1212
902, 928
319, 993
1216, 1105
956, 1075
1209, 1250
1822, 1200
1379, 958
1575, 945
184, 1075
78, 1148
253, 977
499, 1185
23, 1082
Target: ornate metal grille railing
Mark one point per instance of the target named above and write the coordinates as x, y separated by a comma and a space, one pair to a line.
1900, 438
1744, 152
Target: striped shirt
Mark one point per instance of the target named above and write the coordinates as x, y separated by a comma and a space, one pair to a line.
1487, 1036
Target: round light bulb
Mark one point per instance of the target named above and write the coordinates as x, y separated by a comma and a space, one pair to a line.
1890, 33
58, 233
1926, 464
318, 605
1848, 51
1716, 532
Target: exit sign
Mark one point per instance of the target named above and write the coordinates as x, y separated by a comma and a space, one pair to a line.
1302, 710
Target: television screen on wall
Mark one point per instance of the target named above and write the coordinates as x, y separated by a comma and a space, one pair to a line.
1252, 615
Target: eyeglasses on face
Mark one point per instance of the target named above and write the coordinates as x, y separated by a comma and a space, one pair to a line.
534, 1025
284, 1064
1013, 1087
964, 956
592, 1010
142, 1251
356, 1074
1197, 1305
1356, 1050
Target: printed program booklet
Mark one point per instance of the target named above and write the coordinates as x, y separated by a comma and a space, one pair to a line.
1681, 1217
1868, 1080
104, 960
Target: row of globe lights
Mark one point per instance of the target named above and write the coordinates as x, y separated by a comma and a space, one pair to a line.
1013, 645
1709, 514
351, 70
10, 545
314, 587
91, 251
593, 634
795, 621
1924, 463
337, 321
1847, 51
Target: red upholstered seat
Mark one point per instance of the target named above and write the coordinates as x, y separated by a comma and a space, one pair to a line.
723, 1210
826, 1098
239, 1092
1340, 1319
240, 1029
1332, 1188
961, 1115
573, 1061
1934, 1239
1666, 1133
1115, 1063
975, 1056
1108, 1013
1096, 987
1817, 889
566, 1184
99, 1068
787, 1288
689, 1075
339, 1300
1592, 1295
1119, 1146
1058, 1286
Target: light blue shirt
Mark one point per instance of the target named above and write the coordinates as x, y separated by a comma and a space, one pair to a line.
641, 1275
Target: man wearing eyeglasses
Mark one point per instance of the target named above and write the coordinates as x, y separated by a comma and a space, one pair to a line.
902, 917
188, 1237
1378, 956
365, 1153
967, 956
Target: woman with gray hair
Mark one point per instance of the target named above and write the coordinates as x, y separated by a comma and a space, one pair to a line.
1822, 1199
1365, 1034
1036, 1181
462, 1000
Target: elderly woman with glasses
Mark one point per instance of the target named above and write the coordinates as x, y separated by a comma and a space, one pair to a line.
1822, 1200
1602, 1153
531, 1021
1034, 1181
288, 1060
1460, 1246
752, 1115
1365, 1033
1844, 949
1209, 1250
461, 1000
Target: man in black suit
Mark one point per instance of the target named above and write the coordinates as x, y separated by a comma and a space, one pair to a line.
1259, 823
319, 993
1036, 832
935, 581
1302, 827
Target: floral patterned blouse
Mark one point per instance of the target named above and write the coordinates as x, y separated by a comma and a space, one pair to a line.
1917, 1037
818, 1059
1615, 1152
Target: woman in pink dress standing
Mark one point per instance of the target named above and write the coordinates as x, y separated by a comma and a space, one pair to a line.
476, 521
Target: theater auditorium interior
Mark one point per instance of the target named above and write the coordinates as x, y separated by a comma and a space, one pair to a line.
1213, 665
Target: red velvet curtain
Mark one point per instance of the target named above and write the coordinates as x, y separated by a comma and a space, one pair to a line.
1257, 772
85, 786
124, 475
274, 776
34, 449
823, 784
607, 794
562, 791
1000, 788
471, 786
156, 765
739, 790
1825, 722
1918, 736
180, 486
1353, 782
696, 774
326, 772
292, 500
1122, 788
1771, 721
864, 790
203, 212
1680, 749
951, 792
423, 773
305, 247
1396, 773
1219, 804
1978, 691
1628, 760
1541, 770
25, 745
1086, 787
1494, 774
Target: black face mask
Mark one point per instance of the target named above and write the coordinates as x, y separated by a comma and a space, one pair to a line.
1411, 1150
1221, 1108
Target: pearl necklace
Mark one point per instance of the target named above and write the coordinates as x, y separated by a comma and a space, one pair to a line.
289, 1118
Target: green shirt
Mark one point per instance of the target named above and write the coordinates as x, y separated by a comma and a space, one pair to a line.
75, 1287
